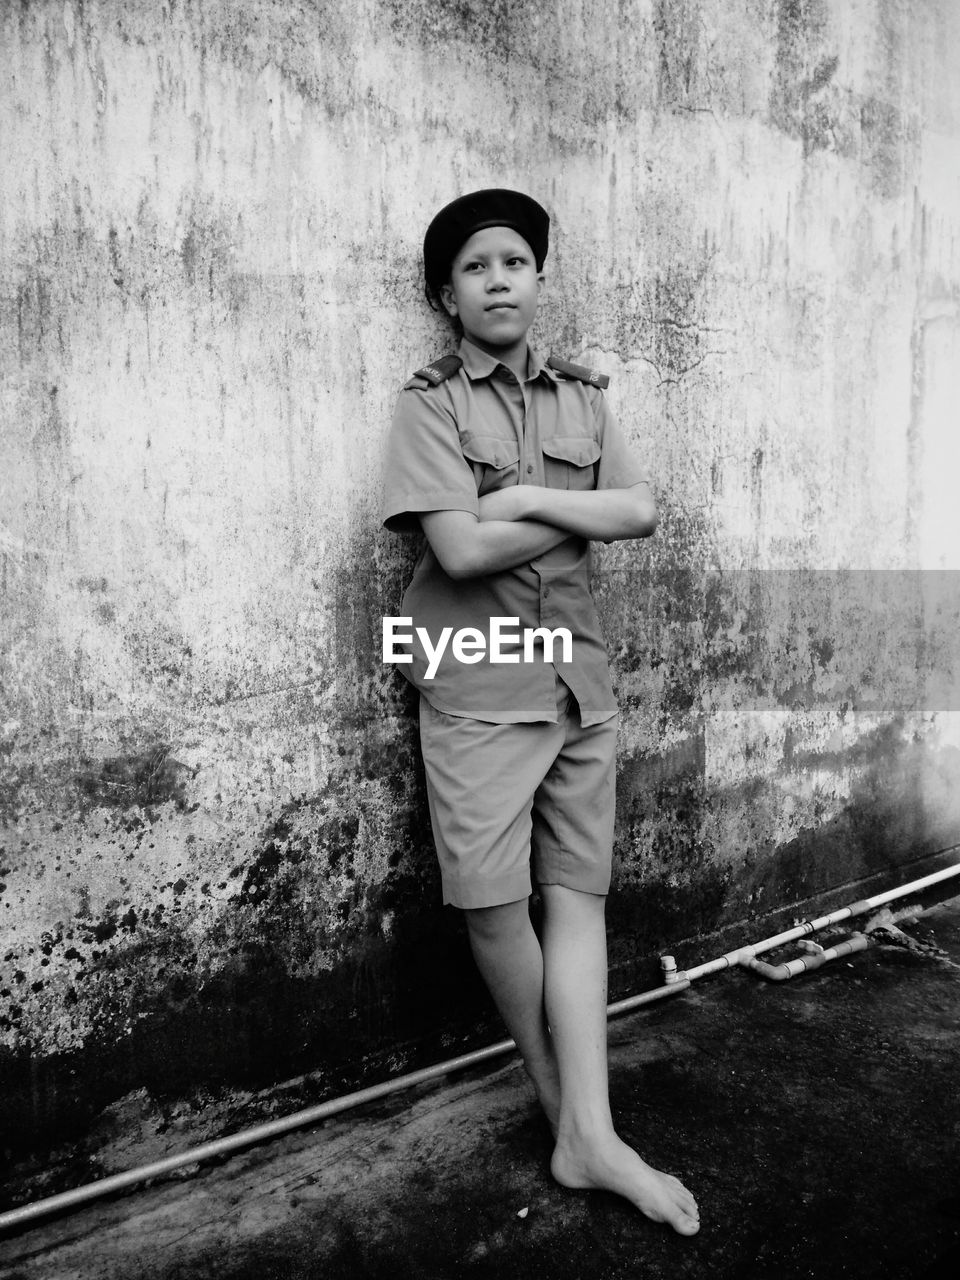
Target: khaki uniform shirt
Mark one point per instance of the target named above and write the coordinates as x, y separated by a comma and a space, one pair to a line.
479, 431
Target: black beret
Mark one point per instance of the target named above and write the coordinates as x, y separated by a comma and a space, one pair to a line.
495, 207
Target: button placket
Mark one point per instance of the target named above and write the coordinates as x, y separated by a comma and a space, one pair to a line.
518, 416
529, 468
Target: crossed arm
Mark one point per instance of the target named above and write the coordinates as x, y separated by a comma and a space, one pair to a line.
519, 523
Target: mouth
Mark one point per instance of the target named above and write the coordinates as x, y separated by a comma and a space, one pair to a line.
501, 306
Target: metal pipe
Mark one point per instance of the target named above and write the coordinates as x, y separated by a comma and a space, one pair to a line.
818, 955
246, 1138
743, 954
803, 964
645, 997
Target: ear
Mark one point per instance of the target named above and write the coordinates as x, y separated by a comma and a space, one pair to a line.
448, 298
541, 285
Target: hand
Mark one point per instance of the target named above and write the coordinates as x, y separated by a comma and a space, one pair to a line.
504, 504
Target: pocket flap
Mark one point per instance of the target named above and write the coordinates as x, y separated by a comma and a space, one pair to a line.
582, 451
492, 451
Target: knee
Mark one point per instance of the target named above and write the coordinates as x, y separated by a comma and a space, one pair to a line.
563, 903
493, 924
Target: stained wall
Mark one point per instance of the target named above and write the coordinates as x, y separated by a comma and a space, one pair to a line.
216, 870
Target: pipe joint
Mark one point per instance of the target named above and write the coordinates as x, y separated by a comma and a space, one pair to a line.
669, 967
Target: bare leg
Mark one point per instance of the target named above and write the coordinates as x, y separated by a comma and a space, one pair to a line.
589, 1154
510, 961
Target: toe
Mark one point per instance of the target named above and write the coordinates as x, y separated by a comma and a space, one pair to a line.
682, 1197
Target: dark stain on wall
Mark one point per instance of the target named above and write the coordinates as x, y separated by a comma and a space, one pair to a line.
887, 813
896, 807
142, 780
645, 920
495, 26
677, 28
803, 100
889, 145
250, 1022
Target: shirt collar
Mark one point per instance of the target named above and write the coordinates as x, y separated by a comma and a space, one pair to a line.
479, 364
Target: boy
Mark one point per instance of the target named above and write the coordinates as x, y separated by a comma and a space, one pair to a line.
509, 465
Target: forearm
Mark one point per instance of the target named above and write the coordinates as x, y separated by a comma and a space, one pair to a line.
606, 515
469, 548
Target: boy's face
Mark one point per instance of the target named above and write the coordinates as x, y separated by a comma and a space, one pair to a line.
494, 288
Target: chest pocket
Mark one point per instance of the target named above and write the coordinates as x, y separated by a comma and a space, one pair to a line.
570, 462
495, 461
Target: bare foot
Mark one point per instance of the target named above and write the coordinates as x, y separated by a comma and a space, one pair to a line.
610, 1165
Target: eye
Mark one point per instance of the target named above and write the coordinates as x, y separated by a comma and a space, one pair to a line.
471, 266
517, 260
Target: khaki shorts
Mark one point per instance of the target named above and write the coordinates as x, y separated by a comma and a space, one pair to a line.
505, 796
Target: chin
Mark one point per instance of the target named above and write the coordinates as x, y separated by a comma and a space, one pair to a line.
503, 335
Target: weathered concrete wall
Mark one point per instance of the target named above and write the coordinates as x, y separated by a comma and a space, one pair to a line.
216, 868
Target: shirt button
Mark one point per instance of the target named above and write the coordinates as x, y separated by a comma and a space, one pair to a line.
546, 592
529, 468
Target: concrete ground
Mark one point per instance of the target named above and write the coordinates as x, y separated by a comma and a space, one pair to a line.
817, 1121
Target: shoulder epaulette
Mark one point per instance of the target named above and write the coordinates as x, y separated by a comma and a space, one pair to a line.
436, 372
579, 371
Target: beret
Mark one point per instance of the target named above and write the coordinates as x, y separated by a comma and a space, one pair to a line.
494, 207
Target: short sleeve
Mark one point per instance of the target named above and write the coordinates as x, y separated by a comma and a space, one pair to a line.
619, 466
424, 468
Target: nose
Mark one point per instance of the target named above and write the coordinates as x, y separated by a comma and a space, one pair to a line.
496, 277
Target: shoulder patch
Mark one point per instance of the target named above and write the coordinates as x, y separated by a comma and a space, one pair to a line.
580, 372
436, 372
